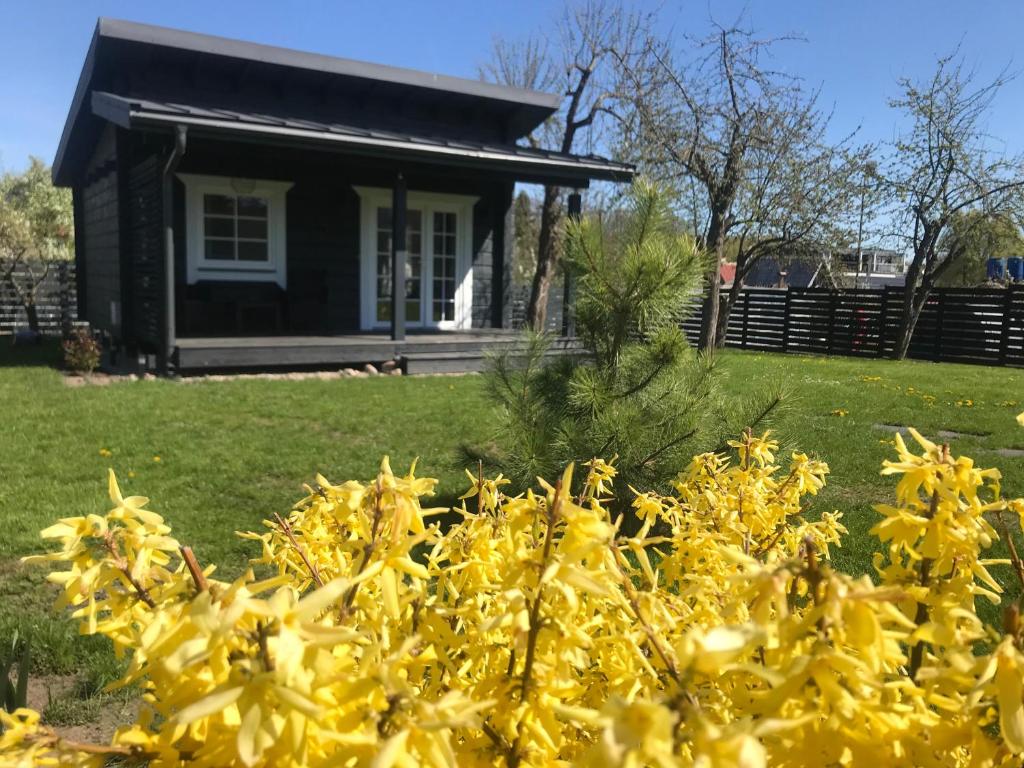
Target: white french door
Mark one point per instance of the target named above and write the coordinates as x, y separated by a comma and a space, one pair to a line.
438, 279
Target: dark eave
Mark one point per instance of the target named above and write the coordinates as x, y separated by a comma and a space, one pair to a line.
524, 163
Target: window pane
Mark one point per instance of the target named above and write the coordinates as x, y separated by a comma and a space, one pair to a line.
252, 228
412, 311
220, 250
219, 204
216, 226
384, 218
252, 206
252, 251
383, 310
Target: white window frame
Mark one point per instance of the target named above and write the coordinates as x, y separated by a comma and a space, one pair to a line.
275, 269
372, 198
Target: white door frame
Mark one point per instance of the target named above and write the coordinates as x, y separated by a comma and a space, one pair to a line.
372, 198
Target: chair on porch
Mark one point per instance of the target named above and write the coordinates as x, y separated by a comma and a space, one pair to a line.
234, 309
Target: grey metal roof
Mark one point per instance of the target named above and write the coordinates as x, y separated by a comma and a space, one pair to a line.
269, 54
134, 113
105, 64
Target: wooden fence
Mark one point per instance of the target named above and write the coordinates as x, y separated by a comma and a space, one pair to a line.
962, 325
55, 301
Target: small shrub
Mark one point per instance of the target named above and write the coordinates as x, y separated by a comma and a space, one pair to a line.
81, 351
644, 395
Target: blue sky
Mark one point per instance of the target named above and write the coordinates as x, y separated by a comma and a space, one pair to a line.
855, 49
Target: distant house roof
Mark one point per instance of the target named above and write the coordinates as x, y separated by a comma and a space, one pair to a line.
169, 67
129, 113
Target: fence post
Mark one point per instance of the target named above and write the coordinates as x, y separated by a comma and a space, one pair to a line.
939, 311
63, 297
1004, 338
883, 320
746, 317
785, 321
831, 321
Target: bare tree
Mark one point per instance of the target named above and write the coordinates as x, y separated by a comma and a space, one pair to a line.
752, 142
579, 65
942, 168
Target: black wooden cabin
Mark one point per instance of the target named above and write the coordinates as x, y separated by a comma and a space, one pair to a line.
240, 205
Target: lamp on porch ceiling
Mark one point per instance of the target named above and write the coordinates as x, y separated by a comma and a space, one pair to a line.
243, 186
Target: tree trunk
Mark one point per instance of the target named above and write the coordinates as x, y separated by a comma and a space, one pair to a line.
709, 315
725, 308
911, 312
547, 260
914, 298
32, 313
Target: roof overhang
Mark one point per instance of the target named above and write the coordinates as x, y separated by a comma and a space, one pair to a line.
523, 163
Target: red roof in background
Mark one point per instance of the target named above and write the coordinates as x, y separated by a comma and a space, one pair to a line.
728, 272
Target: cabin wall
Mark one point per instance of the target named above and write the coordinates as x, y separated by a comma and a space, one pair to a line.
98, 228
142, 277
323, 239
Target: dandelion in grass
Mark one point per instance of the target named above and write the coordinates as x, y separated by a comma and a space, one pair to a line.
840, 412
106, 453
157, 459
1020, 418
870, 378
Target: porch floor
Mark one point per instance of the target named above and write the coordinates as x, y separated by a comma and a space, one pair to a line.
420, 352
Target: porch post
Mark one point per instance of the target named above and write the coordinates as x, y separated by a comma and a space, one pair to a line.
398, 217
166, 349
568, 291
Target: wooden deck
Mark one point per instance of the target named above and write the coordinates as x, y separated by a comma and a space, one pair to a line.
420, 352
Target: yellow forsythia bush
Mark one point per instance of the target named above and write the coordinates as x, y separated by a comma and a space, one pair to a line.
533, 633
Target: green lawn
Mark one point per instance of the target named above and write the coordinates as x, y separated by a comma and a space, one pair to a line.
232, 453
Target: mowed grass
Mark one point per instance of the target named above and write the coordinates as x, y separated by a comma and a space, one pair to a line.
217, 457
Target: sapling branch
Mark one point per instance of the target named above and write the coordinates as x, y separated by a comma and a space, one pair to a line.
121, 563
193, 568
287, 529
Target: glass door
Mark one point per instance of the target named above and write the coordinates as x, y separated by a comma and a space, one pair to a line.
413, 266
430, 267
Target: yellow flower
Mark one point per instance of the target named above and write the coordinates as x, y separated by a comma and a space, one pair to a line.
157, 459
841, 412
106, 453
1020, 419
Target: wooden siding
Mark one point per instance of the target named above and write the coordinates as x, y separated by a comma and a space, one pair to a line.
100, 233
144, 245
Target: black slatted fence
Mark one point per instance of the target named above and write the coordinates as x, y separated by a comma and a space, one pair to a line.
56, 304
962, 325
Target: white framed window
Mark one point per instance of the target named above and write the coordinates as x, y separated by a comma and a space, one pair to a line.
235, 229
438, 266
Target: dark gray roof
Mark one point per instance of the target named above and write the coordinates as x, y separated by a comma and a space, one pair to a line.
146, 61
269, 54
523, 162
